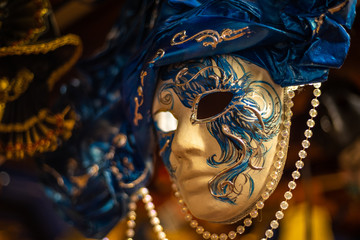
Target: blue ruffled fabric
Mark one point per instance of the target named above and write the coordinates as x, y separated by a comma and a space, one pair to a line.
86, 184
90, 177
86, 178
297, 41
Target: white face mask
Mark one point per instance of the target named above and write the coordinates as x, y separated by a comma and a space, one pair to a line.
218, 121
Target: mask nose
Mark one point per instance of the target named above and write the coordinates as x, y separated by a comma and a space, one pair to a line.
189, 139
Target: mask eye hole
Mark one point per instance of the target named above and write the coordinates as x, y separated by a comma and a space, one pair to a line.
213, 104
165, 121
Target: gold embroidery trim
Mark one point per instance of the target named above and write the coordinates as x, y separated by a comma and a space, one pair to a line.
22, 127
26, 139
39, 16
214, 36
43, 48
2, 109
10, 90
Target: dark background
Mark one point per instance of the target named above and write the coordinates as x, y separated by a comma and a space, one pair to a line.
331, 178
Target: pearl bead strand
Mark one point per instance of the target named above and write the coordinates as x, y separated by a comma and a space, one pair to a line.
143, 193
274, 224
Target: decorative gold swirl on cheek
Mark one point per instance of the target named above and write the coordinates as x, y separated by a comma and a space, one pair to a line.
166, 97
214, 36
256, 155
230, 184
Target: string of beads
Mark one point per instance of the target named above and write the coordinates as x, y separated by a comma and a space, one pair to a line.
146, 198
274, 224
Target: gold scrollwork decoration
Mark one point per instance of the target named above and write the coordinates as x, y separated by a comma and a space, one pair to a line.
180, 79
159, 54
320, 20
137, 181
214, 37
338, 7
139, 100
228, 185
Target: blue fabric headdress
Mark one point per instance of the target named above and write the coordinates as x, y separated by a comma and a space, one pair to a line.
297, 41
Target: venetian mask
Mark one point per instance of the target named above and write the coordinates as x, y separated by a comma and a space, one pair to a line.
218, 121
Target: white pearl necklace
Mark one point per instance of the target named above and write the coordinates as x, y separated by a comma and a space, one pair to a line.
274, 224
143, 193
270, 186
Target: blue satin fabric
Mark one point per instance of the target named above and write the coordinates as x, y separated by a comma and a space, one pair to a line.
297, 41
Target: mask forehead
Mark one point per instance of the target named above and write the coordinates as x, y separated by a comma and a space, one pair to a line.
243, 133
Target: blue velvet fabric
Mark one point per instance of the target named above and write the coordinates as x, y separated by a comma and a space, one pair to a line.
297, 41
